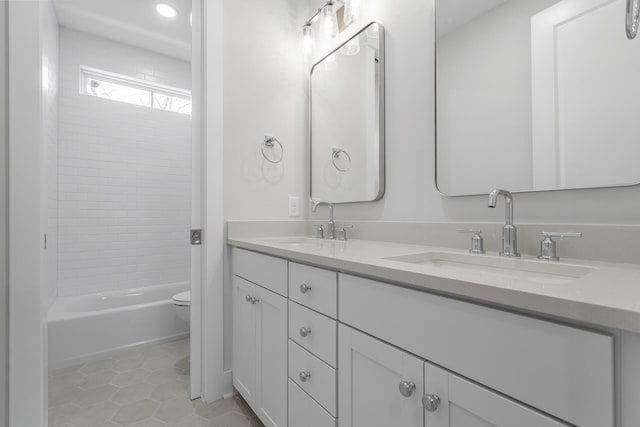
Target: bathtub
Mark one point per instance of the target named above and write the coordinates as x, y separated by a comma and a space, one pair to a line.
89, 326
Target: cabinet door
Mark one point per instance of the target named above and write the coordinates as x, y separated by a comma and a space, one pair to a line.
271, 352
451, 401
244, 339
369, 378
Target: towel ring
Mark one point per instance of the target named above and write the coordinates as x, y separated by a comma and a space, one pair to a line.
268, 145
336, 154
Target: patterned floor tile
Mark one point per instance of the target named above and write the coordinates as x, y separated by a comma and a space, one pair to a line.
146, 387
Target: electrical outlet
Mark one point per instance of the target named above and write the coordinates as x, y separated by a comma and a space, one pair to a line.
294, 206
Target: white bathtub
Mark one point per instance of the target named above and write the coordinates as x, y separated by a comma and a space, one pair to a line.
89, 326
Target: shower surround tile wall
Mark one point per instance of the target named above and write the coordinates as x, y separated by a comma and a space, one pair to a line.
124, 175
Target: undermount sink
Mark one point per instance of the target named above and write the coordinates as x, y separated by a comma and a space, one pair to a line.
518, 269
295, 241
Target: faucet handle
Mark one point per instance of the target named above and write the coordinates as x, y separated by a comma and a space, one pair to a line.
548, 250
319, 231
342, 232
477, 242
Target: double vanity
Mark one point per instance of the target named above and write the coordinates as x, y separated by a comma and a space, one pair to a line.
364, 333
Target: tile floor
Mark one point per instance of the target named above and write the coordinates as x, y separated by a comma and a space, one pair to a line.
138, 388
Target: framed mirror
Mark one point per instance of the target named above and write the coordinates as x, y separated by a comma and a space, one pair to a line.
535, 95
347, 120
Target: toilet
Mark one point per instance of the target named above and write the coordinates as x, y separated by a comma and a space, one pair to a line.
182, 305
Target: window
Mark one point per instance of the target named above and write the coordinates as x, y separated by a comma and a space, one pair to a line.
120, 88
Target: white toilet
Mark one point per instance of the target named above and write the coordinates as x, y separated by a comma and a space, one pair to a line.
182, 305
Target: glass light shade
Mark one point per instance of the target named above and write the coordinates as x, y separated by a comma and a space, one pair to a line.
352, 10
329, 21
352, 47
307, 42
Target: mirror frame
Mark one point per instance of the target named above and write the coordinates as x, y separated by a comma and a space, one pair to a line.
435, 132
381, 120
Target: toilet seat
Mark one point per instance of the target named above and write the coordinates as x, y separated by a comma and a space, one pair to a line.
182, 299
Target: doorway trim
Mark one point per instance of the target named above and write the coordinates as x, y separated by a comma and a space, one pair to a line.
27, 298
207, 330
213, 385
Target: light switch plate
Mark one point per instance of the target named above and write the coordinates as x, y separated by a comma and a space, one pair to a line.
294, 206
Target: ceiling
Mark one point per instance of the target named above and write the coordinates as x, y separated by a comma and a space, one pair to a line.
133, 22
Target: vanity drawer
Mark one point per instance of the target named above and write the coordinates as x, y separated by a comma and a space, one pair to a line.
264, 270
305, 412
315, 288
565, 371
322, 340
321, 385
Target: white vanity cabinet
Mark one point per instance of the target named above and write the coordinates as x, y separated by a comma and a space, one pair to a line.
452, 401
370, 379
260, 344
381, 386
313, 370
563, 371
316, 348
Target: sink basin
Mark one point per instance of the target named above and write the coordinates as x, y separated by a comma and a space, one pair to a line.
295, 241
518, 269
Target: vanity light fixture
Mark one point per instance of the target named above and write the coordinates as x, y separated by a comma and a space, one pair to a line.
307, 39
329, 20
351, 11
166, 10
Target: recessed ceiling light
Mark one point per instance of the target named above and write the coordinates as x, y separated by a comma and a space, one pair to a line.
166, 10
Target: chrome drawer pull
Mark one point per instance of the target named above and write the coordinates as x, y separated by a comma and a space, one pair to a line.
304, 288
304, 376
304, 332
406, 388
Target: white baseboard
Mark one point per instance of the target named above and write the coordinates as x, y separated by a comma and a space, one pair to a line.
89, 357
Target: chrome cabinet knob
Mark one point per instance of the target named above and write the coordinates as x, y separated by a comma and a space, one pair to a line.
431, 402
406, 388
248, 298
304, 288
304, 332
255, 300
304, 376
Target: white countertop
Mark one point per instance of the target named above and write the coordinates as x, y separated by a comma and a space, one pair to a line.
608, 297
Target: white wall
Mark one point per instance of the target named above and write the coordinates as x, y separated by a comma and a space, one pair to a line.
410, 190
264, 85
124, 175
4, 221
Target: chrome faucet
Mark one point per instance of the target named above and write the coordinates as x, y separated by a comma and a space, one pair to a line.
509, 237
331, 229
